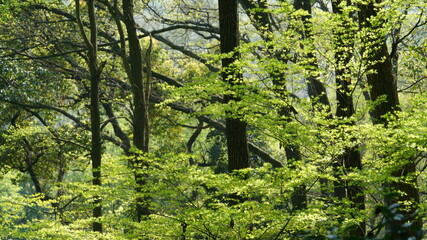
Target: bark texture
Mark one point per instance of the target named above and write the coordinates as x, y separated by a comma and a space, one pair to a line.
140, 110
95, 117
237, 144
383, 84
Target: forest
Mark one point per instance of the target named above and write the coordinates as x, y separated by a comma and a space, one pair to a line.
213, 119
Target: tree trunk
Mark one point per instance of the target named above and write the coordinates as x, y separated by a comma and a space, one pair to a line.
140, 111
315, 89
382, 83
237, 145
351, 159
95, 117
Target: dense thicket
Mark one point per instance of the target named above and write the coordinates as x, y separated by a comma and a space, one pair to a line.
250, 119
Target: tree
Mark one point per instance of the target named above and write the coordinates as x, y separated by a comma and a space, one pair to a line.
95, 117
141, 93
350, 160
294, 85
383, 84
237, 146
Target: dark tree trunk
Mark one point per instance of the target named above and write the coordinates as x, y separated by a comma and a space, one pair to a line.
299, 196
261, 21
140, 111
33, 174
237, 145
316, 90
382, 83
95, 117
118, 131
192, 139
351, 159
136, 78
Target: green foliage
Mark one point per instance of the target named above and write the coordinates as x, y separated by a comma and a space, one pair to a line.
44, 123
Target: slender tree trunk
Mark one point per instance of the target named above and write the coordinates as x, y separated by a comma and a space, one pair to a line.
351, 159
262, 23
237, 145
382, 83
33, 175
95, 117
140, 111
299, 196
316, 90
